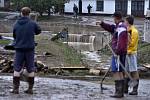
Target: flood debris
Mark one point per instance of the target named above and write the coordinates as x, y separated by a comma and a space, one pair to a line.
6, 65
147, 66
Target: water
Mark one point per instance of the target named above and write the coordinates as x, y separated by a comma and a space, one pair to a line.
88, 45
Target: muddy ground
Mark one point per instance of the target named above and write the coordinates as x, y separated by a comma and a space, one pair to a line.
59, 89
62, 89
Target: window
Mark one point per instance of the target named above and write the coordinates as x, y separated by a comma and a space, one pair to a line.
100, 5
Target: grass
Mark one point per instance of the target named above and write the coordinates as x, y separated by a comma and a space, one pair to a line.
70, 55
52, 18
143, 52
62, 53
4, 42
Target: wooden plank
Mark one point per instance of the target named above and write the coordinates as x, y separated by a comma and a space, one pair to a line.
85, 68
146, 65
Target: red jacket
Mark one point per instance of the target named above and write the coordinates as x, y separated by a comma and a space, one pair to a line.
119, 37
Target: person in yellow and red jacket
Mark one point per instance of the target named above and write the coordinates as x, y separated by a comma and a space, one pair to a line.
119, 45
131, 59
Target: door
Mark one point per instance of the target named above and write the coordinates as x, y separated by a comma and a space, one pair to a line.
121, 5
137, 8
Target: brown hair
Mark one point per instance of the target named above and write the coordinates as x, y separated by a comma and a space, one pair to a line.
25, 11
117, 14
130, 19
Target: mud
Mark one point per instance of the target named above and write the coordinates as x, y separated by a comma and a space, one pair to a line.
59, 89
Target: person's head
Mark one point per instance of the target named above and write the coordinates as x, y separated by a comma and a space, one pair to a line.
129, 20
25, 11
117, 17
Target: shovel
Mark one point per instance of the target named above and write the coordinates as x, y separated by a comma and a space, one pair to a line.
101, 84
132, 82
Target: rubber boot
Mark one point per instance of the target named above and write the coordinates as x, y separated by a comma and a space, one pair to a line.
126, 85
135, 89
31, 83
16, 83
118, 89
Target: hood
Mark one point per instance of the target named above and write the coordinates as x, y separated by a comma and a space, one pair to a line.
23, 20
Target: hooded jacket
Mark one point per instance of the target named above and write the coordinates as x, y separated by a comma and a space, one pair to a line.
23, 33
119, 37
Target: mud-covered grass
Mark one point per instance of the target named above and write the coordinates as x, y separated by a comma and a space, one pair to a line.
143, 52
4, 42
3, 15
71, 56
53, 18
61, 53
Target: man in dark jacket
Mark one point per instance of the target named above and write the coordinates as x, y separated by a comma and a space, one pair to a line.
75, 11
23, 33
89, 7
119, 46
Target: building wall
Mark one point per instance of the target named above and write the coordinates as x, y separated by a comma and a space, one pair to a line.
85, 3
109, 6
146, 6
129, 8
69, 6
1, 3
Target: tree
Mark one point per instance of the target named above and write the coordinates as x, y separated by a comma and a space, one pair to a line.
40, 6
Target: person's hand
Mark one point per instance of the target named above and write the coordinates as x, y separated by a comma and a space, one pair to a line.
98, 23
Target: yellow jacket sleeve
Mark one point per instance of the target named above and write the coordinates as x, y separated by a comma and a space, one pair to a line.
133, 42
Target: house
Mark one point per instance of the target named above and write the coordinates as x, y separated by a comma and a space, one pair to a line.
127, 7
4, 3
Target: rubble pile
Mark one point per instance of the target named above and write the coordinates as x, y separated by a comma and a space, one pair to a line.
6, 65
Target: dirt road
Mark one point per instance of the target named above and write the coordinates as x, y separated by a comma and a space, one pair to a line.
59, 89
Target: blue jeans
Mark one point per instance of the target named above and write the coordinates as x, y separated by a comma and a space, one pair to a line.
24, 58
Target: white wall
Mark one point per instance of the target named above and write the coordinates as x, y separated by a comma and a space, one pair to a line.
2, 3
85, 3
109, 6
146, 5
129, 8
69, 6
